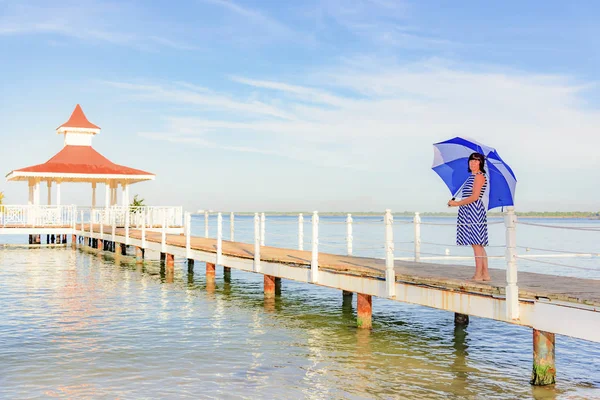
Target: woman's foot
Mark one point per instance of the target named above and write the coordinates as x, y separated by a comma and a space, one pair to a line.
477, 278
486, 278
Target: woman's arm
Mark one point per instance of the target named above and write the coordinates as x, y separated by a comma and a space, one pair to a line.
477, 185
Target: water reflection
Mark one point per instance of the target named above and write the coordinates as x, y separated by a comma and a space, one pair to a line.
459, 361
301, 343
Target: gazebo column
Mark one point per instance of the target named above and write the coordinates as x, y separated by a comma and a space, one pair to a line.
58, 193
107, 194
125, 194
93, 194
113, 194
36, 193
49, 193
31, 184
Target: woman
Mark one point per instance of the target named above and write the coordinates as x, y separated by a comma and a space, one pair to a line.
472, 217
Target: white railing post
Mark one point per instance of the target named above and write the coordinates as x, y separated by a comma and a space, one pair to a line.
390, 275
205, 224
188, 236
74, 217
91, 230
163, 238
300, 232
219, 239
143, 229
256, 243
127, 225
417, 223
349, 234
314, 263
231, 226
114, 226
262, 229
512, 290
102, 230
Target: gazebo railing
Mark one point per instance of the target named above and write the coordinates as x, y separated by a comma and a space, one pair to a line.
150, 216
37, 215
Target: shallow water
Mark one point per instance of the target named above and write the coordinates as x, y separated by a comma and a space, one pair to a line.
79, 325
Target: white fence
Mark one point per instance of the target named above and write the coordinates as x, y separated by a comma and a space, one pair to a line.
147, 216
37, 216
68, 215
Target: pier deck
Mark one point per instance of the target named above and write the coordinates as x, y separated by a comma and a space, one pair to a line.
545, 301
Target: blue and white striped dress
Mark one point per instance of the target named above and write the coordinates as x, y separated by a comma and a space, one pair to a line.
472, 218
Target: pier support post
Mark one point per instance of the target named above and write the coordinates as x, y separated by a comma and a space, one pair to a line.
190, 264
461, 319
123, 249
269, 286
210, 272
227, 274
139, 255
73, 241
99, 244
170, 261
364, 311
544, 368
347, 296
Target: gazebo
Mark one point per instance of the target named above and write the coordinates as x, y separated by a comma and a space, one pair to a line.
79, 162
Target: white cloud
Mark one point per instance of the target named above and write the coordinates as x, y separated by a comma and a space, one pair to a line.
388, 116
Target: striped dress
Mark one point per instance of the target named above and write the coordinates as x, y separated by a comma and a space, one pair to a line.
472, 218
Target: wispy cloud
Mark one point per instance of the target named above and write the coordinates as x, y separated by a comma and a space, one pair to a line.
389, 115
87, 21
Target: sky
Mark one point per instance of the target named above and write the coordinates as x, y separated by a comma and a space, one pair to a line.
328, 105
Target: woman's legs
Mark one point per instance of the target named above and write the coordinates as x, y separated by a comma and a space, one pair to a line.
478, 263
484, 262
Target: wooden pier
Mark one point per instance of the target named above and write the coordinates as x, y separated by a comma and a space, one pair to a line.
545, 302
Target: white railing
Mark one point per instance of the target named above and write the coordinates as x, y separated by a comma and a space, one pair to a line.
37, 216
147, 216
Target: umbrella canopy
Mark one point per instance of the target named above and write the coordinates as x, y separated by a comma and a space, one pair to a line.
451, 162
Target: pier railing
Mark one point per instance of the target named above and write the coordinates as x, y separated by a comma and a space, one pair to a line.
388, 239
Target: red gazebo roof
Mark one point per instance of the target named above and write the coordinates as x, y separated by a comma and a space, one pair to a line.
82, 160
78, 161
78, 120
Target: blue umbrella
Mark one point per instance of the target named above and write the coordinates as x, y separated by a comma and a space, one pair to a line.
450, 162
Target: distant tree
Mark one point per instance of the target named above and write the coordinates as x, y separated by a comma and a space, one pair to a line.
136, 203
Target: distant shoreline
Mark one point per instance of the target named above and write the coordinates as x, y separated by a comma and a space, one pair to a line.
533, 214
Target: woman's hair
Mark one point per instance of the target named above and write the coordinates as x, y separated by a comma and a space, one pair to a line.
479, 157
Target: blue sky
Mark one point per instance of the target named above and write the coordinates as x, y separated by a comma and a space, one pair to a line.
317, 105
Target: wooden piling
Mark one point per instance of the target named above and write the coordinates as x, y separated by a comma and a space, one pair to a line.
99, 244
190, 264
269, 286
170, 260
123, 249
227, 274
544, 367
364, 308
461, 319
210, 272
139, 255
